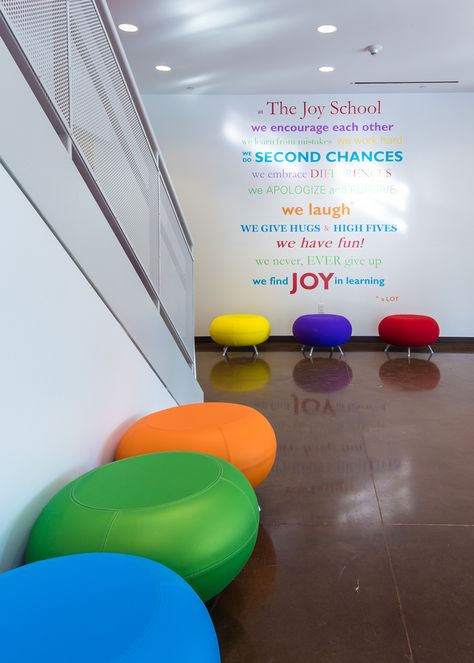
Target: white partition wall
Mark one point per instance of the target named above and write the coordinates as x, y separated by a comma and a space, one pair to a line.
360, 205
72, 381
86, 347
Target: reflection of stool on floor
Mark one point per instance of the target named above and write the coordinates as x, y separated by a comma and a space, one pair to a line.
245, 596
411, 331
322, 375
240, 374
410, 374
322, 329
238, 330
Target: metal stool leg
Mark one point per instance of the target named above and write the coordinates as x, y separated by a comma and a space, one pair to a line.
340, 350
255, 350
431, 349
409, 352
386, 349
224, 354
311, 352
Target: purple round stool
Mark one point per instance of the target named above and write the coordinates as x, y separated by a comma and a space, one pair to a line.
322, 329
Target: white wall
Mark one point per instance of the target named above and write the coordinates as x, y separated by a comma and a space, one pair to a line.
425, 264
72, 381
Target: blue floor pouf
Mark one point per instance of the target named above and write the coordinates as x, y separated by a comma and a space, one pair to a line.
102, 607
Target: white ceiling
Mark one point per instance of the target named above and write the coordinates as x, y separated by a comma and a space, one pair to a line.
272, 46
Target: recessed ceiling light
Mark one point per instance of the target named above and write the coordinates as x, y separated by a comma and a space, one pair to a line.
325, 70
162, 67
128, 27
326, 29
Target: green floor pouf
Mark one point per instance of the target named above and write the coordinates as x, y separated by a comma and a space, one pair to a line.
194, 513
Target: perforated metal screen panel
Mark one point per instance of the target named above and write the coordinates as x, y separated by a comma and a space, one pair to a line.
107, 130
40, 27
176, 272
68, 48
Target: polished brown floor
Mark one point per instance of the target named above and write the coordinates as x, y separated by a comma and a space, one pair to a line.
366, 547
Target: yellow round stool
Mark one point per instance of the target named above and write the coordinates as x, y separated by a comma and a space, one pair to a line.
239, 329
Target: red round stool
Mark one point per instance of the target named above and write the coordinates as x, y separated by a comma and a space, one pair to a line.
411, 331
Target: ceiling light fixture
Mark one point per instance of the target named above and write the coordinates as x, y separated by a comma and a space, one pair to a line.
326, 70
128, 27
326, 29
162, 67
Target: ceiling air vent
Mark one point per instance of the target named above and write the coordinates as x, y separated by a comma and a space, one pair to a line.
404, 82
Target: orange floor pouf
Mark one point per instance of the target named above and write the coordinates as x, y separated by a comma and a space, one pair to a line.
236, 433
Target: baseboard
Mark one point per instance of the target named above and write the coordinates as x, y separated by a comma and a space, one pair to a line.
356, 343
